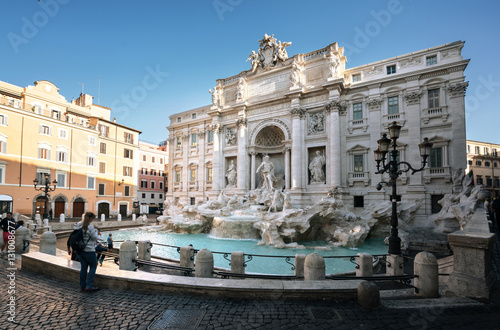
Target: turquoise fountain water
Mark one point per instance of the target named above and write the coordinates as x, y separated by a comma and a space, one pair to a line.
374, 246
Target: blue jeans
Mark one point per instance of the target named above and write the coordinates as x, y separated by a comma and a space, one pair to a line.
87, 259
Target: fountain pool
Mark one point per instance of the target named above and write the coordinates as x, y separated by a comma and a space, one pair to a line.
374, 246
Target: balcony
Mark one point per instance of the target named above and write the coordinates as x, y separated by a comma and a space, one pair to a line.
430, 113
363, 177
358, 124
431, 173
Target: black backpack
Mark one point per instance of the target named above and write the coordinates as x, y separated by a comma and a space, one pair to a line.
76, 241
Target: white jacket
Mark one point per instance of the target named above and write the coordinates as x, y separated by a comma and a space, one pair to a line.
89, 237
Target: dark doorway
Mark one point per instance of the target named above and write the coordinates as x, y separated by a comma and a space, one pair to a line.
123, 210
78, 208
103, 208
40, 205
59, 207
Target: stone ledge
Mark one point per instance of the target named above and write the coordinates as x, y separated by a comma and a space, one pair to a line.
67, 270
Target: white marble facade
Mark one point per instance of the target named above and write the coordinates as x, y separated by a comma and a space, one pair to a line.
295, 109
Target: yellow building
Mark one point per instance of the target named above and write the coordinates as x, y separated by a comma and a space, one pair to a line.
75, 143
483, 160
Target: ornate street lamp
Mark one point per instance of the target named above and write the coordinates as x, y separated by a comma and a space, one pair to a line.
394, 169
46, 189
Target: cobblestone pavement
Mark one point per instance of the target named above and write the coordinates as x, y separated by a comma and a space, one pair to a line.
44, 303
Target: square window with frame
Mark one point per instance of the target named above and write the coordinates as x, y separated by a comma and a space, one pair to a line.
436, 157
101, 189
61, 180
391, 69
143, 195
128, 153
356, 77
144, 183
4, 119
62, 156
127, 171
193, 116
90, 182
102, 148
433, 98
179, 119
153, 196
357, 111
209, 174
358, 161
431, 60
102, 167
393, 105
62, 134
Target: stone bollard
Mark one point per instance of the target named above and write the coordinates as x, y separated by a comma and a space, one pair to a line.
368, 294
394, 265
365, 262
472, 274
128, 255
314, 267
48, 243
103, 217
299, 264
22, 235
238, 262
204, 266
119, 217
427, 282
38, 219
45, 222
144, 250
134, 217
187, 256
62, 217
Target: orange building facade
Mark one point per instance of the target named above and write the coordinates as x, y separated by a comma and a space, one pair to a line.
92, 158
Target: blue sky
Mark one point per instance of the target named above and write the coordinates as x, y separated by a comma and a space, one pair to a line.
159, 57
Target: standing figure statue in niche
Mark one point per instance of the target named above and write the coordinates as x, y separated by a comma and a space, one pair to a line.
231, 174
316, 168
266, 169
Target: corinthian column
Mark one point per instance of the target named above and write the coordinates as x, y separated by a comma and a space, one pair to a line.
334, 108
217, 179
252, 171
242, 162
296, 149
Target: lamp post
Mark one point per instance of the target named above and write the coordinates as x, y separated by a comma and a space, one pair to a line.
394, 169
46, 189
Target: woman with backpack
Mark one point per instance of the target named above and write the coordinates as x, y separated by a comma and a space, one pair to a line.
87, 256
